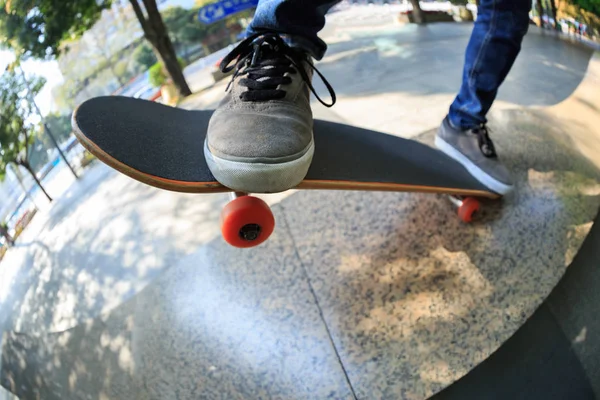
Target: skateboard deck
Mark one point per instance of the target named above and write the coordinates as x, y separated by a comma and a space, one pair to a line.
163, 146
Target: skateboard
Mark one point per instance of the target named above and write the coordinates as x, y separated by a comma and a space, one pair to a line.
162, 146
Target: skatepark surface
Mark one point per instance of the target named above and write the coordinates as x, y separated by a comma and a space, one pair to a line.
365, 295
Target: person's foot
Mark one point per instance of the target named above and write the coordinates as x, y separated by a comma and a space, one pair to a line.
475, 150
260, 137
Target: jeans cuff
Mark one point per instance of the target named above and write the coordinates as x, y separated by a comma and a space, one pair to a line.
315, 51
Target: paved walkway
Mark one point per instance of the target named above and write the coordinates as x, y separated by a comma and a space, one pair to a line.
118, 243
407, 76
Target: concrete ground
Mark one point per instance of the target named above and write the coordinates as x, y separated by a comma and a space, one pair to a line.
408, 75
121, 242
107, 237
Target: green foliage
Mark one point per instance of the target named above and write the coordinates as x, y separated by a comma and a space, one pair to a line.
36, 28
64, 95
16, 127
121, 69
157, 76
183, 25
185, 29
459, 2
145, 56
592, 6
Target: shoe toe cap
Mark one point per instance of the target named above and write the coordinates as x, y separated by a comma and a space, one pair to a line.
260, 136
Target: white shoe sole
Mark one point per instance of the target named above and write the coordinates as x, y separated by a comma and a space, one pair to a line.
479, 174
259, 177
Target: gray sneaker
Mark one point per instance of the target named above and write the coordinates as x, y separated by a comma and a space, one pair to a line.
260, 137
475, 150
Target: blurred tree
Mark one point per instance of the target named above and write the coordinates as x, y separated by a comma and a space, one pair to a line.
156, 76
592, 6
553, 11
60, 125
184, 28
583, 12
145, 56
64, 94
102, 45
121, 68
156, 33
41, 147
539, 8
16, 128
418, 15
4, 232
36, 28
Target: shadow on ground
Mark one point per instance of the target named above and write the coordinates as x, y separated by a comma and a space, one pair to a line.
390, 285
100, 243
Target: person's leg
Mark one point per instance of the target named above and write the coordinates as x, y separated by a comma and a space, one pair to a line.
299, 22
260, 138
494, 45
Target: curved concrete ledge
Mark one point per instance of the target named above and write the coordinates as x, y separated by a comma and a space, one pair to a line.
556, 353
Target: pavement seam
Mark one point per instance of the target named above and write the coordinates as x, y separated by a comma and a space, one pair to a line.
312, 291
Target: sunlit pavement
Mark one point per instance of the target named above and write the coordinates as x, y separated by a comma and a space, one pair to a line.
408, 75
106, 237
99, 243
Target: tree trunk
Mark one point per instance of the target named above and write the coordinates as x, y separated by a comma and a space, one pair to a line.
26, 165
20, 180
553, 8
418, 15
186, 54
156, 33
4, 232
540, 11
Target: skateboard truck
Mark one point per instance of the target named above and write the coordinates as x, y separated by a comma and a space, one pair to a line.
467, 206
246, 221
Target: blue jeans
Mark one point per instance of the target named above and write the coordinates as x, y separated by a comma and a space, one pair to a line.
494, 45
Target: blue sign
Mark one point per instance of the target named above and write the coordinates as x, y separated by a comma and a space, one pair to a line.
217, 11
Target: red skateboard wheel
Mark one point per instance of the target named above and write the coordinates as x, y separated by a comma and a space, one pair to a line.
246, 222
468, 207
